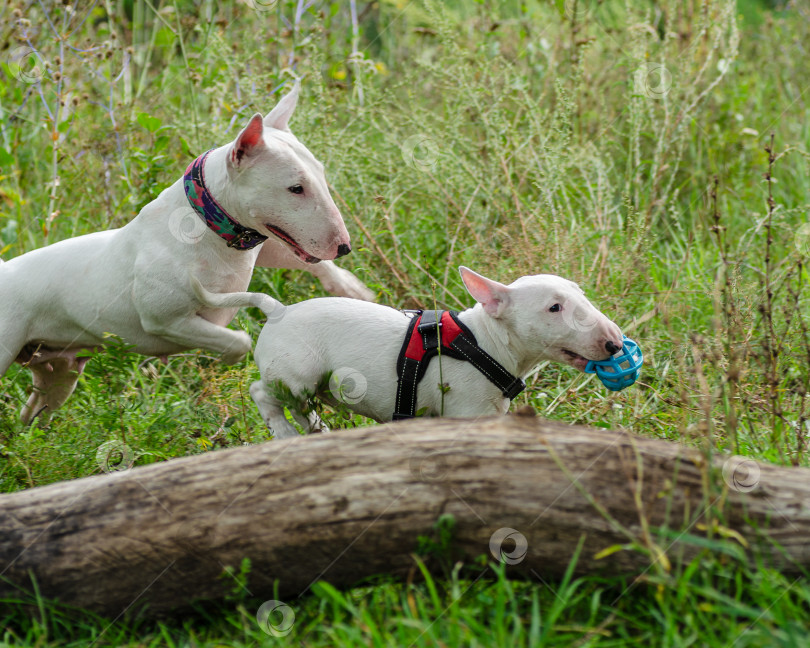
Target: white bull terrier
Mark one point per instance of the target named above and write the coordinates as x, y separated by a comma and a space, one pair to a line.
376, 354
135, 282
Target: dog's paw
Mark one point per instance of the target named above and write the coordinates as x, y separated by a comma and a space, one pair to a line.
239, 349
343, 283
318, 427
281, 429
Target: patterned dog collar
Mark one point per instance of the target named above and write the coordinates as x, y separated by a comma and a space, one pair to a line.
236, 235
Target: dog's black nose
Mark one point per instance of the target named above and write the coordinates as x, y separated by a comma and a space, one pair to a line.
343, 249
612, 349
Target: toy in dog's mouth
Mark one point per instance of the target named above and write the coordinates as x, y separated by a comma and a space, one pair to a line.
620, 370
576, 360
300, 252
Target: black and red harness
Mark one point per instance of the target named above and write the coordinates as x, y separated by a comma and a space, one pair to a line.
435, 332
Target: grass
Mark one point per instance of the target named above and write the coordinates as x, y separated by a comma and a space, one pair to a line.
704, 604
620, 145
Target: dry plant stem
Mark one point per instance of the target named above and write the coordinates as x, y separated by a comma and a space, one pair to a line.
602, 255
804, 387
117, 40
452, 251
371, 239
697, 343
389, 224
191, 91
673, 288
669, 131
636, 474
439, 349
729, 385
178, 33
574, 32
146, 55
56, 119
770, 341
434, 279
52, 197
600, 259
516, 199
461, 212
356, 55
248, 430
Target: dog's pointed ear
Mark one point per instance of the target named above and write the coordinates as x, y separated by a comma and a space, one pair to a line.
492, 295
279, 117
248, 141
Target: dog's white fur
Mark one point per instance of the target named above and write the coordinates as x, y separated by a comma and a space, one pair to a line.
136, 281
358, 342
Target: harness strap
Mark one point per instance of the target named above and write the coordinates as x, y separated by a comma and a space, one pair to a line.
432, 333
407, 372
509, 385
429, 327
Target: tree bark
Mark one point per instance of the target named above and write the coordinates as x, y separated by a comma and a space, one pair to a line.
351, 504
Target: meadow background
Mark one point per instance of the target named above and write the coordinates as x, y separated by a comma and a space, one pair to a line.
655, 152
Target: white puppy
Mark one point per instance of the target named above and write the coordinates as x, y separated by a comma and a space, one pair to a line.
136, 281
536, 318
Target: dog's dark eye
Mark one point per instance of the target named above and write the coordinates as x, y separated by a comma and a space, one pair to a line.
556, 308
296, 189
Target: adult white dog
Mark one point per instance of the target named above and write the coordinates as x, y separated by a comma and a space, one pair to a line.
377, 355
260, 200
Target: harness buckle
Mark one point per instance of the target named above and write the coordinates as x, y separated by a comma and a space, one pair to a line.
429, 327
237, 240
250, 238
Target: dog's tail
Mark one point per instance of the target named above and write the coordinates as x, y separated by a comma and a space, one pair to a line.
272, 308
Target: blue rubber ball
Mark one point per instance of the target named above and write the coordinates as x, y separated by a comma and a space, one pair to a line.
622, 369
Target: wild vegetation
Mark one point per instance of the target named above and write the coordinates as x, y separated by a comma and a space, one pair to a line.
658, 153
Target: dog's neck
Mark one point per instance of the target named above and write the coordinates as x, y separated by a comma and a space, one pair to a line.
218, 180
206, 186
493, 337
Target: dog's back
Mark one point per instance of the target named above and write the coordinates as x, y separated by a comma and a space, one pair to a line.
338, 336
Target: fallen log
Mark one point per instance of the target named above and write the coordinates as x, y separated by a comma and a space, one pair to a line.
350, 504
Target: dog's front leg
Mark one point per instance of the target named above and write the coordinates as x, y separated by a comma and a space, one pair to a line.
170, 312
337, 281
272, 412
195, 332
